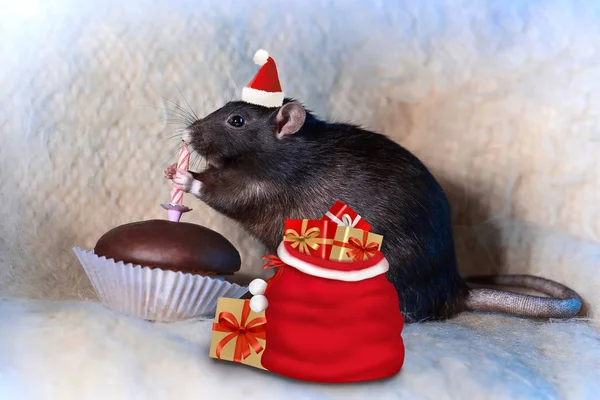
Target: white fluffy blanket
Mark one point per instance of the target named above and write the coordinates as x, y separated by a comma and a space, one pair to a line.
499, 98
82, 351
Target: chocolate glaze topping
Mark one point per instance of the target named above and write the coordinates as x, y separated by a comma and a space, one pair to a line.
176, 246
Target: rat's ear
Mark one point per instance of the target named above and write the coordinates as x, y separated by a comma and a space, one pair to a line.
290, 118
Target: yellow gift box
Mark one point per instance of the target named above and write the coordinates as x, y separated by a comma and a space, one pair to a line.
238, 333
352, 244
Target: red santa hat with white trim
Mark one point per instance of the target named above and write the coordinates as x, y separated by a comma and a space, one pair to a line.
264, 90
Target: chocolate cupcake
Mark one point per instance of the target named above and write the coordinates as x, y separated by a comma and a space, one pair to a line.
162, 270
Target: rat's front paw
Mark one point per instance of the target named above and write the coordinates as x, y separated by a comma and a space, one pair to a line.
170, 171
185, 181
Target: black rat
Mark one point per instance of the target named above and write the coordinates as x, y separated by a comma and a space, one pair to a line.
266, 165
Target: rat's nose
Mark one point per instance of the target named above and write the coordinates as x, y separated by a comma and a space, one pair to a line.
189, 132
186, 136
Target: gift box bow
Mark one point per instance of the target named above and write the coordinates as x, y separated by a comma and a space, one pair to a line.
343, 215
346, 219
307, 238
359, 250
246, 333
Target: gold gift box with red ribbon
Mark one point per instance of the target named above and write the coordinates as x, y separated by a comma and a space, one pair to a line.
238, 333
353, 240
352, 244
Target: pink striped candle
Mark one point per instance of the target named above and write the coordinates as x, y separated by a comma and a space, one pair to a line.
175, 208
183, 162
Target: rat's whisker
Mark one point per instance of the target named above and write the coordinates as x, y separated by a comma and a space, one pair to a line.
178, 129
177, 124
171, 156
197, 161
173, 137
186, 102
171, 116
176, 111
177, 116
176, 121
183, 111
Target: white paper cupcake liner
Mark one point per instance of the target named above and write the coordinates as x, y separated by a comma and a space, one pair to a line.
152, 293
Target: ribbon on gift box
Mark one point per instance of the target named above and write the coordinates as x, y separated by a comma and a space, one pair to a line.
307, 238
345, 221
343, 215
273, 262
359, 250
246, 333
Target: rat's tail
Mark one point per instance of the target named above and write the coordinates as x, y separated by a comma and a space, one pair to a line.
563, 303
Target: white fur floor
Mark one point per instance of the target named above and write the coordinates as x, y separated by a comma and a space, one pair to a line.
77, 350
111, 356
499, 98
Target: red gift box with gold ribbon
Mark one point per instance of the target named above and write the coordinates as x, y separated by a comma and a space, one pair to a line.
310, 237
341, 214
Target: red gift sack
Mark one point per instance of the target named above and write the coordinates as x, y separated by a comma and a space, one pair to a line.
331, 321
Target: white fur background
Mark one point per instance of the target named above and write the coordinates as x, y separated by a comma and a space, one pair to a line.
500, 99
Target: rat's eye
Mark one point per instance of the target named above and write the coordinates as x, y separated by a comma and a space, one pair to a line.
236, 121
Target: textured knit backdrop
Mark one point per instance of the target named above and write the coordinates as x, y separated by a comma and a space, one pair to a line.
500, 99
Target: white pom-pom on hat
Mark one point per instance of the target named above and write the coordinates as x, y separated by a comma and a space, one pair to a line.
261, 57
259, 303
257, 286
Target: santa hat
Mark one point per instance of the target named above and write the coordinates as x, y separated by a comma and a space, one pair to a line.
264, 90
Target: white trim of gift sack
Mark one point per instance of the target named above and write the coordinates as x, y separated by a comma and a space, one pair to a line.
259, 303
347, 276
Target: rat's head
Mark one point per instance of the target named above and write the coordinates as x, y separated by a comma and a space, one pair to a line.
239, 128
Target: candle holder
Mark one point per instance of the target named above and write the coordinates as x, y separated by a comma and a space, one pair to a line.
174, 211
